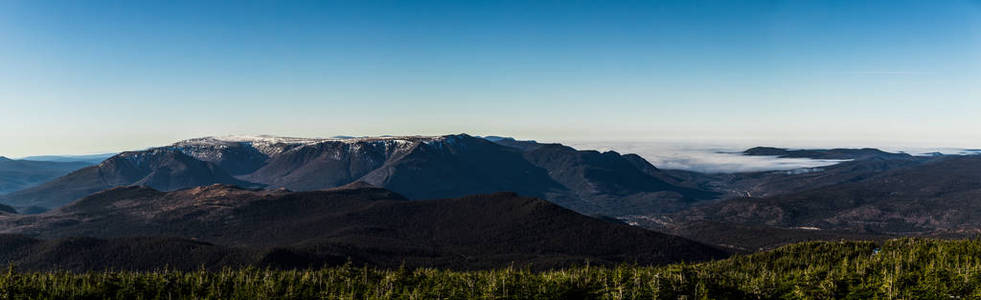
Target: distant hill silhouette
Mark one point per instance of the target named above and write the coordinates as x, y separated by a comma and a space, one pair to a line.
837, 153
20, 174
91, 159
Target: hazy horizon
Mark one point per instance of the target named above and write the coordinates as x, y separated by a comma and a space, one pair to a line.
730, 144
709, 156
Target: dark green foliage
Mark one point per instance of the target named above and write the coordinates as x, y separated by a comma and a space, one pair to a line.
903, 269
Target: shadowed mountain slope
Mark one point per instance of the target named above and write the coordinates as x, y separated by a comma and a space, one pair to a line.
462, 165
612, 184
367, 225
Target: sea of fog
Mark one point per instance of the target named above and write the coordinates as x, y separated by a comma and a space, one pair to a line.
727, 158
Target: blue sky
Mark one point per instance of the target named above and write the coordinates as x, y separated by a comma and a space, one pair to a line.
96, 76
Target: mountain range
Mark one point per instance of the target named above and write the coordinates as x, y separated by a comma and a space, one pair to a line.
589, 182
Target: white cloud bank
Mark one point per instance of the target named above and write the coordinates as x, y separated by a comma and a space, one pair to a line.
711, 158
703, 158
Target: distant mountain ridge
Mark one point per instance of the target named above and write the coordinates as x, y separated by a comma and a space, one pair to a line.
86, 158
418, 167
20, 174
836, 153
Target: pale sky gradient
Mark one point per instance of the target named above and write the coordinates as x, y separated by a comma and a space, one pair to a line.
103, 76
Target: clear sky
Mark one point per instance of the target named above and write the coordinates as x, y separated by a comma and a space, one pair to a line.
93, 76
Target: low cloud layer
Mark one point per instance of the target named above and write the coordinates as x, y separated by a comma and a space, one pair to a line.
728, 158
702, 158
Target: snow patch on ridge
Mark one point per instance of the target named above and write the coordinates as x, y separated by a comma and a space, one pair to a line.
211, 148
268, 139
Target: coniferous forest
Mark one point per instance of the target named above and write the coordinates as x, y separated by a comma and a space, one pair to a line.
895, 269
